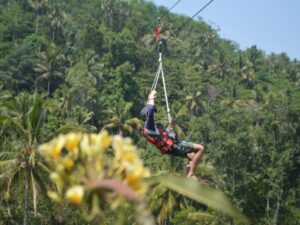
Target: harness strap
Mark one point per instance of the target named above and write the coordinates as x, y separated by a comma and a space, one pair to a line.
159, 142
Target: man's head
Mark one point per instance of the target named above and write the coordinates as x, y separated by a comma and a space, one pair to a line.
143, 113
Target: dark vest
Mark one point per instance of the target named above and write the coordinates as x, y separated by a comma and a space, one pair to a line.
162, 141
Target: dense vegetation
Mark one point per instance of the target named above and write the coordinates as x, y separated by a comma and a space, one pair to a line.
88, 65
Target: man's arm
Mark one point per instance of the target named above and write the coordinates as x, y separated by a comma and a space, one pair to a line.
170, 130
151, 98
150, 121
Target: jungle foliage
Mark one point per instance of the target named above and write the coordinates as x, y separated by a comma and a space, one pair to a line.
88, 65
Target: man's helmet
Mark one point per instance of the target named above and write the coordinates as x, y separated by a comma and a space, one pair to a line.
143, 113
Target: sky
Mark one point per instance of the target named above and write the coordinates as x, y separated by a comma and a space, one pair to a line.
271, 25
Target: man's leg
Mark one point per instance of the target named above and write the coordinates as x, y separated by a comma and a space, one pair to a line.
193, 159
150, 121
189, 158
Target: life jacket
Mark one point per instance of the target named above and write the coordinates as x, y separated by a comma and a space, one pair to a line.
162, 141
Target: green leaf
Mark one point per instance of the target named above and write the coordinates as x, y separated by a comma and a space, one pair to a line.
200, 193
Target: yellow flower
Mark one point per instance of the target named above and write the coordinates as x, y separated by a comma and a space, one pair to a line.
139, 187
119, 142
86, 159
85, 145
101, 140
137, 173
124, 150
104, 140
56, 178
75, 194
67, 163
58, 145
98, 164
72, 141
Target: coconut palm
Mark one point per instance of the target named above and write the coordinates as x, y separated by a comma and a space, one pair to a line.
219, 68
39, 7
50, 66
120, 118
21, 121
163, 202
57, 19
78, 119
93, 66
180, 119
194, 103
114, 13
212, 92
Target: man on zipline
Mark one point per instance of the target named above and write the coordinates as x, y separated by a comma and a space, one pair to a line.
165, 139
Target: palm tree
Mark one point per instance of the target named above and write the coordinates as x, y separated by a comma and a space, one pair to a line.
57, 19
194, 104
219, 68
38, 6
212, 92
94, 68
77, 119
50, 66
180, 120
120, 118
114, 13
163, 202
21, 121
248, 72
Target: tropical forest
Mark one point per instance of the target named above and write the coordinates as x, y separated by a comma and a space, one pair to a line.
74, 76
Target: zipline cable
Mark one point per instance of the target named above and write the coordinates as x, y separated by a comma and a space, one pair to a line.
169, 9
158, 28
159, 32
173, 6
160, 67
189, 19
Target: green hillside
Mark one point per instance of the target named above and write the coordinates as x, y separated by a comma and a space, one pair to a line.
87, 65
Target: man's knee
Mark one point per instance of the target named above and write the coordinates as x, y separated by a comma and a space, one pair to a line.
198, 147
190, 156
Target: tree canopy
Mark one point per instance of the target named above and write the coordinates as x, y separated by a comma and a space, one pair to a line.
89, 65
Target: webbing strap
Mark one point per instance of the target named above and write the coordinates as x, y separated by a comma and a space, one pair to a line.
156, 79
165, 89
159, 72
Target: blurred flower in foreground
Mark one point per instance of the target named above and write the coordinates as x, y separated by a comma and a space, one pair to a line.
80, 161
75, 194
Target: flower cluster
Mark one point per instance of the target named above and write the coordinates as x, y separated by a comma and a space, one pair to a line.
77, 158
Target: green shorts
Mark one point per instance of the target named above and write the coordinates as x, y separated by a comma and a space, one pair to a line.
181, 149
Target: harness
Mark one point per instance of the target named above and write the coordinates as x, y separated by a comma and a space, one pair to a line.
162, 141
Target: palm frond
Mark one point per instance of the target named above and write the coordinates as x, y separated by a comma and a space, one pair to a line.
108, 126
196, 216
134, 121
8, 173
68, 127
40, 68
8, 122
34, 194
43, 167
128, 128
7, 155
168, 207
6, 164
